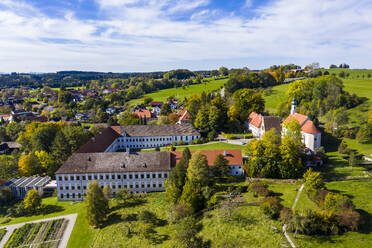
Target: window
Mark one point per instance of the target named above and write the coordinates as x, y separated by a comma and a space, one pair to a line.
136, 186
72, 187
125, 186
101, 186
148, 175
61, 188
112, 177
119, 176
78, 187
89, 177
61, 196
165, 175
153, 175
101, 177
240, 167
113, 186
136, 176
60, 178
95, 177
107, 177
125, 176
160, 185
68, 195
131, 186
119, 186
84, 187
73, 195
84, 178
79, 195
142, 186
154, 185
160, 175
148, 186
77, 177
66, 178
66, 187
130, 176
142, 176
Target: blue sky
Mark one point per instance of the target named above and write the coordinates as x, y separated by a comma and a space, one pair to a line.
152, 35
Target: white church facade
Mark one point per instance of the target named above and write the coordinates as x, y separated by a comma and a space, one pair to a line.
311, 135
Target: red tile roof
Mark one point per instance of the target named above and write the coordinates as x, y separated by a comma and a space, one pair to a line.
306, 124
156, 104
183, 115
142, 113
100, 142
233, 156
255, 119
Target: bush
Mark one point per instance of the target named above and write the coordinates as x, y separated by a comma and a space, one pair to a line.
260, 189
271, 207
147, 216
348, 220
178, 212
286, 214
337, 202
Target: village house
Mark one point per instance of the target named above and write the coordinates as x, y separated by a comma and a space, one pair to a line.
233, 156
184, 116
258, 124
145, 114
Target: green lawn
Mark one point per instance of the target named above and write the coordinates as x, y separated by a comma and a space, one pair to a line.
361, 195
365, 149
181, 93
207, 146
276, 96
354, 73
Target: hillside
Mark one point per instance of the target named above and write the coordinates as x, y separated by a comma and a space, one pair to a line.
162, 95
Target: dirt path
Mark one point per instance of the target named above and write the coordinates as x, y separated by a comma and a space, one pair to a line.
293, 207
66, 235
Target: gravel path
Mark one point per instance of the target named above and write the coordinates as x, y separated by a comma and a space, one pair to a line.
66, 235
293, 207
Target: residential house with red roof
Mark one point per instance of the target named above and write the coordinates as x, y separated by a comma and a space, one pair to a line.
311, 135
259, 124
183, 116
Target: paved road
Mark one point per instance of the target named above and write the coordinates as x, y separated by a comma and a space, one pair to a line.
66, 235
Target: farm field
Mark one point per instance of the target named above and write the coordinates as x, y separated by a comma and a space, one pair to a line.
181, 93
42, 234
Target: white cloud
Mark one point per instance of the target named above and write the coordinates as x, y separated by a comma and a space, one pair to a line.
143, 36
248, 3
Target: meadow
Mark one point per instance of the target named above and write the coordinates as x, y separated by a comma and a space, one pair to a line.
182, 93
274, 97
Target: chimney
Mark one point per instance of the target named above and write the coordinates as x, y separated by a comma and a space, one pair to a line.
224, 153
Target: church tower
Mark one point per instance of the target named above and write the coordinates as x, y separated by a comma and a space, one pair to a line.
294, 106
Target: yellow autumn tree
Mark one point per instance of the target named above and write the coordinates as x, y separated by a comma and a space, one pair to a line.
29, 165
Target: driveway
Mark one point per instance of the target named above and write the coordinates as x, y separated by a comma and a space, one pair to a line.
66, 235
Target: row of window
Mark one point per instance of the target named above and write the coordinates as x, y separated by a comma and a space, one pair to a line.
156, 139
78, 196
113, 177
131, 186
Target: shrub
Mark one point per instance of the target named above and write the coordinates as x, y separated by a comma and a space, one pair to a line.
337, 202
271, 207
320, 196
260, 189
348, 220
178, 212
286, 215
147, 216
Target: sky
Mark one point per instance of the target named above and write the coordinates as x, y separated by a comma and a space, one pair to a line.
160, 35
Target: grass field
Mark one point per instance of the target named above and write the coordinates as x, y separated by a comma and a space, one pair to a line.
354, 73
207, 146
276, 97
360, 193
180, 93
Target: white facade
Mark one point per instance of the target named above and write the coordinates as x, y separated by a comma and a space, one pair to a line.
72, 187
236, 170
122, 143
254, 130
311, 140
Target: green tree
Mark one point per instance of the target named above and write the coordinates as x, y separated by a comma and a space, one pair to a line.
128, 118
248, 101
147, 100
107, 192
364, 135
186, 233
202, 120
165, 109
32, 201
96, 205
177, 178
291, 158
223, 71
13, 130
29, 165
198, 170
313, 180
8, 167
192, 196
221, 166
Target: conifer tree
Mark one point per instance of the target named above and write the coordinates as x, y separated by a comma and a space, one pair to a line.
96, 205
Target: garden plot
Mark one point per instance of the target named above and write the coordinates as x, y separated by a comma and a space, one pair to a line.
41, 234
